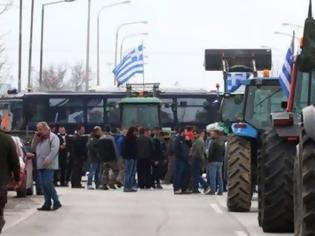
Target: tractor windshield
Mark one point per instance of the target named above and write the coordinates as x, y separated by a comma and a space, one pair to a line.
144, 115
232, 107
261, 101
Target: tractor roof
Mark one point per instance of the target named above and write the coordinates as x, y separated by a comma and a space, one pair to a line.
140, 100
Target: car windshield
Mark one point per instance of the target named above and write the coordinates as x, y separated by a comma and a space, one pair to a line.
15, 109
144, 115
261, 101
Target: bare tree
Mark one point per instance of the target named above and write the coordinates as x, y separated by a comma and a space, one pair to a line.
53, 79
4, 75
5, 5
77, 80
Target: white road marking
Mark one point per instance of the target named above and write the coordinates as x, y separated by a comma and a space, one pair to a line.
216, 208
241, 233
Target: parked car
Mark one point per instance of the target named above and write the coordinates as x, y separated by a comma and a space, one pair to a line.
25, 186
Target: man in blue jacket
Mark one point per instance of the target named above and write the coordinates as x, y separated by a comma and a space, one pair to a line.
181, 151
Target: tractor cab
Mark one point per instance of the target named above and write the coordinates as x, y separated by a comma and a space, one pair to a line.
141, 107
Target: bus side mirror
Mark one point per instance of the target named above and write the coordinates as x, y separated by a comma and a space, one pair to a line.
284, 105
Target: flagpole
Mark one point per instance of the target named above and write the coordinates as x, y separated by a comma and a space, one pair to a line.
143, 76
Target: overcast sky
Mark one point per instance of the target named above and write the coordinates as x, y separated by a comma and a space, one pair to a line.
179, 32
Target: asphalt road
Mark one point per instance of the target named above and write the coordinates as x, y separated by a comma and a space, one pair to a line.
114, 213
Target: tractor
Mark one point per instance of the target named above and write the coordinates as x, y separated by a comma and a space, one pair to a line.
288, 173
261, 97
141, 107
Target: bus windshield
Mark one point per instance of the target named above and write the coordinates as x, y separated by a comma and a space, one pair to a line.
144, 115
15, 108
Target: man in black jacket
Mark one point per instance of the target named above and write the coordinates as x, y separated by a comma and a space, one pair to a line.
145, 150
9, 163
108, 156
215, 159
63, 157
78, 156
181, 151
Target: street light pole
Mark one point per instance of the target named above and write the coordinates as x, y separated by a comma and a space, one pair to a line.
20, 48
127, 37
98, 35
42, 37
117, 37
87, 68
29, 84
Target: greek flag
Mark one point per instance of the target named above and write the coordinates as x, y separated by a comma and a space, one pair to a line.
286, 74
234, 81
130, 65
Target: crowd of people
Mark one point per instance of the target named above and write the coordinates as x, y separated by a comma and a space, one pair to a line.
135, 158
139, 158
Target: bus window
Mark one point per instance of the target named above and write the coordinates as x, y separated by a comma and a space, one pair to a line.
95, 110
193, 110
64, 110
15, 108
167, 114
113, 111
35, 110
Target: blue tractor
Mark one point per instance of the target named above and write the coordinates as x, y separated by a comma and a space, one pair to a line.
247, 115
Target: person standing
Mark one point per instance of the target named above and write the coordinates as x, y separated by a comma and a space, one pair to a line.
78, 156
9, 164
120, 143
94, 158
181, 151
197, 154
63, 157
46, 145
169, 176
108, 155
215, 163
145, 150
157, 158
130, 157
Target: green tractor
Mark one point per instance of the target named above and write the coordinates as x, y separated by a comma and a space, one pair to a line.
141, 107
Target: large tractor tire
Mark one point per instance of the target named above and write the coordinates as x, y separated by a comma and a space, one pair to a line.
259, 181
276, 180
304, 191
239, 182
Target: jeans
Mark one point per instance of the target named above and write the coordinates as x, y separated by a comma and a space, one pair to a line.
49, 191
180, 175
3, 201
196, 176
130, 175
94, 174
215, 176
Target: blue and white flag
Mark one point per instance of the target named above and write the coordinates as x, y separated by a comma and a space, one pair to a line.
234, 81
130, 65
286, 74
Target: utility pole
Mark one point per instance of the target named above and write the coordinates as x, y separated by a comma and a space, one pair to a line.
87, 69
29, 83
41, 48
20, 48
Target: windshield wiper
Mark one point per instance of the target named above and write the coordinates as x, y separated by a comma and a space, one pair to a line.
262, 101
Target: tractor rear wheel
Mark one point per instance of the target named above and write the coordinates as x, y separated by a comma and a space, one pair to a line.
239, 182
304, 197
276, 183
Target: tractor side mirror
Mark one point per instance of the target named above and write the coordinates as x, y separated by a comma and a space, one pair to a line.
284, 105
